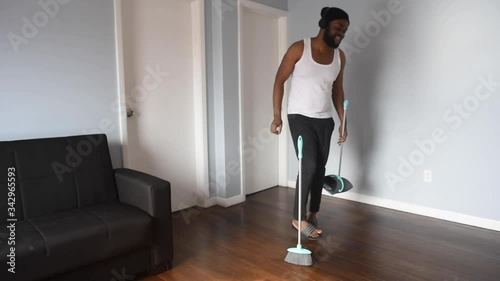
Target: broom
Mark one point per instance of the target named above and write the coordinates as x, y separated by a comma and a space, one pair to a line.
299, 255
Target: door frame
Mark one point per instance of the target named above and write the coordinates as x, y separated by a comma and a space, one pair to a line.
282, 18
199, 92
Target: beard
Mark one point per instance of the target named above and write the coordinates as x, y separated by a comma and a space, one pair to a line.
330, 40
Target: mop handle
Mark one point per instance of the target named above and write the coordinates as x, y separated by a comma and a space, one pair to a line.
346, 104
299, 146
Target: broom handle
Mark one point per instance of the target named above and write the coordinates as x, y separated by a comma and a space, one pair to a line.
346, 104
340, 163
299, 145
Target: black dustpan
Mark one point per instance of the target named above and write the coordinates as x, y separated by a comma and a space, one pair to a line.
334, 184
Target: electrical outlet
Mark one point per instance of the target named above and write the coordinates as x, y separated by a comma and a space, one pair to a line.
427, 176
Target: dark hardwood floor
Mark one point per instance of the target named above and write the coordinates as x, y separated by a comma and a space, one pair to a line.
360, 242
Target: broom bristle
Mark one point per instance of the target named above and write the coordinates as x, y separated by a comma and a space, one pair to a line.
299, 259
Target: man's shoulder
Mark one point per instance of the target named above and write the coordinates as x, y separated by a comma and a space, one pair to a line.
342, 56
298, 45
296, 49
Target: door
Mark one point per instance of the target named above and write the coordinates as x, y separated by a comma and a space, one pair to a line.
159, 80
259, 63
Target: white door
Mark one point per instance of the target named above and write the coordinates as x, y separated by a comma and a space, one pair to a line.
259, 63
159, 85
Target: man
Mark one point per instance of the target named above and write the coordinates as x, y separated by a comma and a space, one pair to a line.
317, 66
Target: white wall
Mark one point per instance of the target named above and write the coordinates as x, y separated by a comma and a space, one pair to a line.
408, 79
59, 77
64, 78
279, 4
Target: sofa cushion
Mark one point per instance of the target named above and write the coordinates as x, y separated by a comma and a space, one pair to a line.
66, 240
29, 249
94, 176
57, 174
128, 228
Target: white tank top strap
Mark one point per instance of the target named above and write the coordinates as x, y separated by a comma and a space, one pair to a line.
307, 48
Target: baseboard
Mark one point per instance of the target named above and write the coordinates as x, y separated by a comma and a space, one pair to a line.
223, 202
417, 210
421, 210
207, 203
228, 202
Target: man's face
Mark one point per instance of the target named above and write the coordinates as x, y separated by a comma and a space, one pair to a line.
334, 33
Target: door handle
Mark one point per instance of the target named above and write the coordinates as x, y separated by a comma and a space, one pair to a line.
130, 112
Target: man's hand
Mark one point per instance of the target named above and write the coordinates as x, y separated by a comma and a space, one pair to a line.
342, 138
276, 126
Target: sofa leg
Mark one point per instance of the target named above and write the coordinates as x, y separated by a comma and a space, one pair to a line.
160, 268
169, 265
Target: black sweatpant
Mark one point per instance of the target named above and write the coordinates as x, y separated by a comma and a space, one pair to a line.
316, 136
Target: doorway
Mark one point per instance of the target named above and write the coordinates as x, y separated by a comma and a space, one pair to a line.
161, 66
262, 45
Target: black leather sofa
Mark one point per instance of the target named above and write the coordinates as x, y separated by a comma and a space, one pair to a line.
77, 218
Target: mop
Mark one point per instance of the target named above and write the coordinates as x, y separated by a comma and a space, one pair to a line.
299, 255
335, 183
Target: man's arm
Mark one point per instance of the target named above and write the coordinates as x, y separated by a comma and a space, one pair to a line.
286, 68
338, 97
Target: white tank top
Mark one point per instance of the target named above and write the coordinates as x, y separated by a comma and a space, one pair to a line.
311, 89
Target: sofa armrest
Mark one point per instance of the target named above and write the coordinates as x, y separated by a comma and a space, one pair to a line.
153, 196
144, 191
